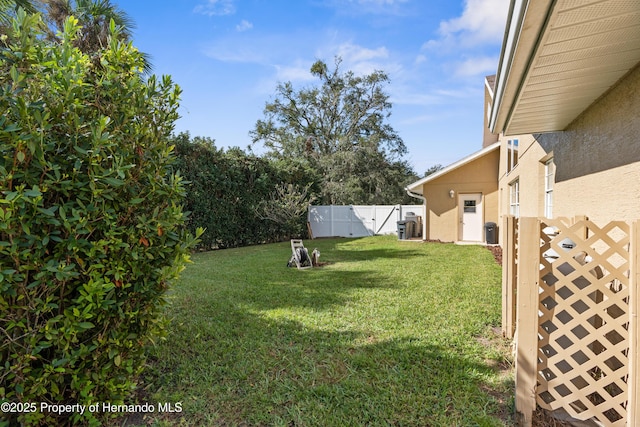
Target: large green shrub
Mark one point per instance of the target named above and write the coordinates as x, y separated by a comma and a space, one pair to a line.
226, 192
91, 223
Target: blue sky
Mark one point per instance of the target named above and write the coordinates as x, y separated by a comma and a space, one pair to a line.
229, 55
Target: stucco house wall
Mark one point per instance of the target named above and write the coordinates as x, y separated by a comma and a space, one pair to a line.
529, 172
477, 176
597, 162
598, 157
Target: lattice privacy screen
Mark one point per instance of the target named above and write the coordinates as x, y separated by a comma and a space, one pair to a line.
583, 328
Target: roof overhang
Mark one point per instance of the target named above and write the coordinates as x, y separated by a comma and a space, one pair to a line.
416, 187
558, 57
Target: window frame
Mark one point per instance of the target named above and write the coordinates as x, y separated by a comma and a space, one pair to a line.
512, 155
514, 198
549, 182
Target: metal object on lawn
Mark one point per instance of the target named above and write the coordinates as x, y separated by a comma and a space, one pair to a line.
300, 256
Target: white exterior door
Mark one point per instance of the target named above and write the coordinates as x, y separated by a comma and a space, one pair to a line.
470, 215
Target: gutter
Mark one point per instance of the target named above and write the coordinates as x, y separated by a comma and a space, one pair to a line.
424, 210
526, 25
509, 43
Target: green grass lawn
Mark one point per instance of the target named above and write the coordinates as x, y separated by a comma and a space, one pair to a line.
387, 333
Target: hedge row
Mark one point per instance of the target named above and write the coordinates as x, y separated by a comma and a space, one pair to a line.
225, 191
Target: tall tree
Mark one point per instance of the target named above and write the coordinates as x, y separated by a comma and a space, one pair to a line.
8, 9
94, 17
433, 169
339, 128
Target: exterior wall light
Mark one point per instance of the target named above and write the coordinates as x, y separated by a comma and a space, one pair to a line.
451, 193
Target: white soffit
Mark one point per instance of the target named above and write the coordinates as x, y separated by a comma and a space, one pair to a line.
584, 49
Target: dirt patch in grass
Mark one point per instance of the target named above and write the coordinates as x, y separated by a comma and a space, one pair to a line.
502, 363
505, 396
140, 419
497, 253
541, 418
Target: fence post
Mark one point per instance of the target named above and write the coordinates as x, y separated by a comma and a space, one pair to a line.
506, 243
633, 405
527, 319
508, 277
585, 231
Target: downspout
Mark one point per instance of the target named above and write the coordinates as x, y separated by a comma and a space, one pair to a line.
424, 211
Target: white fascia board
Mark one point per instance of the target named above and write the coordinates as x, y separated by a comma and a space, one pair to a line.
416, 187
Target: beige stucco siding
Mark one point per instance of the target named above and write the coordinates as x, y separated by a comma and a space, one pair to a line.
529, 172
603, 196
478, 176
597, 160
598, 157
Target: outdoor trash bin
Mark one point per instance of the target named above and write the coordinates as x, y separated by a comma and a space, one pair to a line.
490, 234
411, 229
402, 230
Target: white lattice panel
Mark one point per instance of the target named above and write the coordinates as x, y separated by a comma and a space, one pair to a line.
583, 327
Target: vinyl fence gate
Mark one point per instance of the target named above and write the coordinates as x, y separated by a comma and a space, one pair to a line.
359, 221
570, 288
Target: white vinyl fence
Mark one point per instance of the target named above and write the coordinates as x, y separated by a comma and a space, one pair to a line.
359, 221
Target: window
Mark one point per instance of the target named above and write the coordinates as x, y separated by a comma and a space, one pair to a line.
549, 178
469, 206
514, 198
512, 154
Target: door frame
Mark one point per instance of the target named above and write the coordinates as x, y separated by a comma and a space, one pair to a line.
479, 198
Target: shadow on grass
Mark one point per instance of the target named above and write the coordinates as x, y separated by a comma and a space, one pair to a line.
276, 346
247, 369
259, 279
319, 289
363, 249
316, 290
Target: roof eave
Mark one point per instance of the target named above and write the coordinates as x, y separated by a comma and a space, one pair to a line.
416, 187
558, 58
525, 24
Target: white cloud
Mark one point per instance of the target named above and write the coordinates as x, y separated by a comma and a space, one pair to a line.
359, 59
235, 51
376, 7
420, 59
353, 53
419, 99
250, 47
467, 46
423, 118
244, 25
477, 66
381, 2
299, 71
216, 7
481, 22
460, 92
